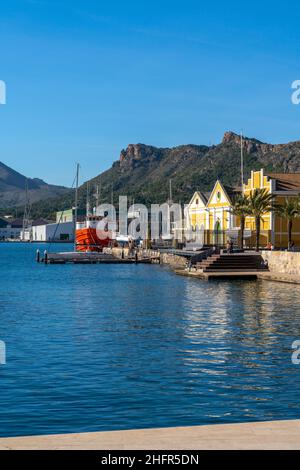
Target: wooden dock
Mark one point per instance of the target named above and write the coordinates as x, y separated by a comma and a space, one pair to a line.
75, 257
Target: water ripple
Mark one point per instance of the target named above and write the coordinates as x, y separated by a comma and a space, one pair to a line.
109, 347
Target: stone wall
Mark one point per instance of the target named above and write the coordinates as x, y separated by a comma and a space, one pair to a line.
284, 262
117, 252
165, 258
172, 260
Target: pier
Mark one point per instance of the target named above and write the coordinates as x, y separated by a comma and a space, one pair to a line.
203, 265
77, 257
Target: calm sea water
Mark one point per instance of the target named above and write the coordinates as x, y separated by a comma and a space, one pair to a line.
116, 347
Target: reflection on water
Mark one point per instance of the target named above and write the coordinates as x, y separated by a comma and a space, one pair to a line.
110, 347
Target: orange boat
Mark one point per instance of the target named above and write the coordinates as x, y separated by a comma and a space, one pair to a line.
90, 236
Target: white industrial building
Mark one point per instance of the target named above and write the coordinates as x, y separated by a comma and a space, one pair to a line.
10, 233
10, 229
50, 232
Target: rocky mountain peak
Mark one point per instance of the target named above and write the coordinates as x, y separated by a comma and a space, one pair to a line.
132, 151
250, 145
136, 154
231, 137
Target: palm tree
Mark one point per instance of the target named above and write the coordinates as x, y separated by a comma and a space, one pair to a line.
240, 208
260, 202
289, 210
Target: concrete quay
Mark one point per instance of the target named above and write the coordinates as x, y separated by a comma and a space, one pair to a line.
217, 275
265, 276
272, 435
279, 277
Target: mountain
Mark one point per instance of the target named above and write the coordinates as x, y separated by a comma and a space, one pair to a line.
12, 188
143, 171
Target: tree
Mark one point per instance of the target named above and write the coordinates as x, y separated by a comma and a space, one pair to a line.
260, 203
289, 210
240, 208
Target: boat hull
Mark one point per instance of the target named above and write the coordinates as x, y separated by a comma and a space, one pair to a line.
88, 240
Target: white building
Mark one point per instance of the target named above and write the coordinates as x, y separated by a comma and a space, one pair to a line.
50, 232
10, 229
11, 233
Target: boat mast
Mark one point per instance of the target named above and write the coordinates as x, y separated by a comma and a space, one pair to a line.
26, 216
76, 204
170, 202
87, 199
97, 196
25, 209
112, 194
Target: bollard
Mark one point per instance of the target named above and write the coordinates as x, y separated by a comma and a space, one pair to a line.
38, 256
45, 257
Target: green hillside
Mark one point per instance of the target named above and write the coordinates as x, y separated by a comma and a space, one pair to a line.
143, 172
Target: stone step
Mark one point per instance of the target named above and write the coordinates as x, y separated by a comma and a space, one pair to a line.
212, 270
232, 262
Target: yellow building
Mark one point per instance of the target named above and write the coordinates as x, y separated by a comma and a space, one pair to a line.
196, 220
273, 227
212, 214
197, 212
219, 206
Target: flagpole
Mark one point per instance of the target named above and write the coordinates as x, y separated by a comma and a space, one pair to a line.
242, 163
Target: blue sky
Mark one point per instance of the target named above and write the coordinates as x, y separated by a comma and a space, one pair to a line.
86, 78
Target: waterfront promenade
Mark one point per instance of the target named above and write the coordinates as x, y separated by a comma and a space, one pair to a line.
257, 436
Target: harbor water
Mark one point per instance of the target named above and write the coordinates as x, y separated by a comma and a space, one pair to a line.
107, 347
